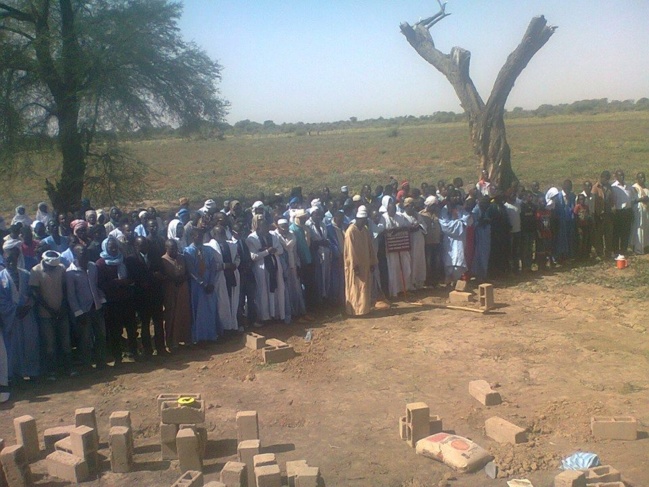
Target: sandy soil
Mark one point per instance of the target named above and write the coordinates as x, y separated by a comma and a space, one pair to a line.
557, 351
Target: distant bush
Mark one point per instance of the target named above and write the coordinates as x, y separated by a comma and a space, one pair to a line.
393, 132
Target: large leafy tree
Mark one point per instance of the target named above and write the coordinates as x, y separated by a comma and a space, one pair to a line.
76, 68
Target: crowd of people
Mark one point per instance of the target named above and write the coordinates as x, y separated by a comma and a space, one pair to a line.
113, 286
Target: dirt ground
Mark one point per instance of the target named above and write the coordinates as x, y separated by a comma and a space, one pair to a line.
558, 350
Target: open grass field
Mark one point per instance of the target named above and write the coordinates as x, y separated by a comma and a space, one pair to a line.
546, 149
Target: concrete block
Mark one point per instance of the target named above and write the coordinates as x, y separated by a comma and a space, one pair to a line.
417, 422
458, 297
27, 436
247, 450
15, 466
52, 435
482, 391
570, 478
215, 483
191, 478
67, 467
264, 459
614, 427
461, 286
187, 444
608, 484
436, 426
64, 444
121, 455
247, 425
268, 476
293, 466
83, 441
403, 430
201, 433
173, 413
486, 296
602, 474
504, 432
168, 434
275, 355
120, 418
174, 397
255, 341
274, 342
307, 477
86, 417
234, 475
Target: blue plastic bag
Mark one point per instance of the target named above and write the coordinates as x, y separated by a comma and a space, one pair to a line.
580, 461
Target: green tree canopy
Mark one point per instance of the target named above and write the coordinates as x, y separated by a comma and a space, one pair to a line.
73, 68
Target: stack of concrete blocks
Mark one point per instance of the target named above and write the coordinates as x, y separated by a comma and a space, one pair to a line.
191, 478
482, 391
614, 428
169, 431
234, 474
76, 457
486, 296
504, 432
418, 423
300, 474
277, 351
183, 434
122, 418
267, 472
436, 426
27, 436
87, 417
249, 442
254, 341
15, 466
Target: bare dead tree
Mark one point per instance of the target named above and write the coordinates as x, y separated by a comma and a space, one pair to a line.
486, 121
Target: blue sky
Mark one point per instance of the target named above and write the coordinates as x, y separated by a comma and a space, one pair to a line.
328, 60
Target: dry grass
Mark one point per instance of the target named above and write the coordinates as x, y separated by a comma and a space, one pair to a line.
546, 149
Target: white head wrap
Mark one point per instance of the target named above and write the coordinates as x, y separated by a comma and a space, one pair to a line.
430, 201
384, 203
257, 204
51, 258
11, 243
282, 221
361, 212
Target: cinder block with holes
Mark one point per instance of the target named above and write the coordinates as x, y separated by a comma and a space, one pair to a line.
417, 422
486, 296
255, 341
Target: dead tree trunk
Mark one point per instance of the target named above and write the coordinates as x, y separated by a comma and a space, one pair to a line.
486, 121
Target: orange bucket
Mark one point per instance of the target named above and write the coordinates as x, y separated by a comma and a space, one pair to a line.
621, 263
